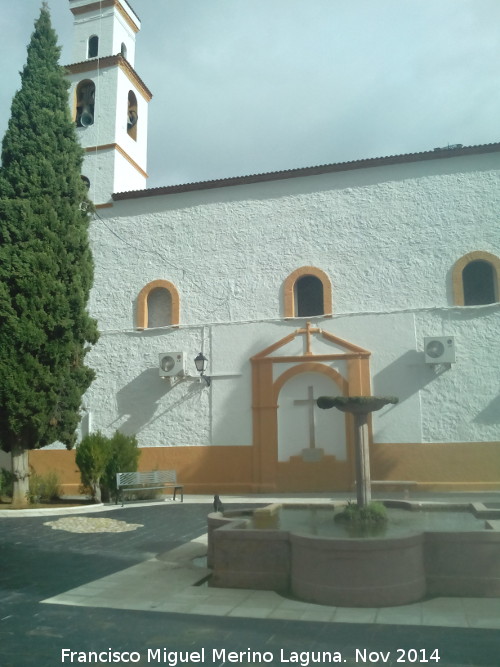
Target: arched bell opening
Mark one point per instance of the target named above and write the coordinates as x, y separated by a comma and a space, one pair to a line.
85, 103
132, 116
93, 47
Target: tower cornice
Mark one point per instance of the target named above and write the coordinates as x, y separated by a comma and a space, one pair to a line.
112, 61
117, 147
102, 4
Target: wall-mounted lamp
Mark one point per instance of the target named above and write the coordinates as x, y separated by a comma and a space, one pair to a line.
201, 363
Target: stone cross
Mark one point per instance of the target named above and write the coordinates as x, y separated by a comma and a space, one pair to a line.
311, 402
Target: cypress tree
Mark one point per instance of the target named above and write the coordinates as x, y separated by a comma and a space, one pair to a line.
46, 267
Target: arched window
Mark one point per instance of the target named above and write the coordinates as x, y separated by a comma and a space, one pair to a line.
123, 50
158, 305
308, 296
86, 181
475, 279
307, 292
159, 308
93, 48
132, 115
85, 102
478, 278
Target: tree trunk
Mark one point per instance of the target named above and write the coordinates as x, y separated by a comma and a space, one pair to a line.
20, 470
96, 490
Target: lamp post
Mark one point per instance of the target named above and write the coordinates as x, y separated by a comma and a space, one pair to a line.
201, 363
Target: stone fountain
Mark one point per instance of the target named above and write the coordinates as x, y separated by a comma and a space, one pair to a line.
249, 548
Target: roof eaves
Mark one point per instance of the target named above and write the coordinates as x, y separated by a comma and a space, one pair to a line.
365, 163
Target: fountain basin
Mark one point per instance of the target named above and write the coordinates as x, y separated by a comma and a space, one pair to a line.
354, 572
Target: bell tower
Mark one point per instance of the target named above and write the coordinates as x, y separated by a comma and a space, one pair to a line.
108, 99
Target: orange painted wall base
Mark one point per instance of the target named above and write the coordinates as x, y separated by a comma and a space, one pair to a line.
228, 470
327, 474
201, 469
453, 466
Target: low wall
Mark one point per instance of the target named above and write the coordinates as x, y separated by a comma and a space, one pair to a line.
357, 573
256, 559
463, 564
373, 572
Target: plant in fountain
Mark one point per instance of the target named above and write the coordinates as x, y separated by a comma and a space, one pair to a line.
359, 407
367, 521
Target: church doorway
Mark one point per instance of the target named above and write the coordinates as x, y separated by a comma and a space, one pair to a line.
296, 446
312, 443
303, 429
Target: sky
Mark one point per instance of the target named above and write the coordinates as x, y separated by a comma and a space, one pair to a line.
251, 86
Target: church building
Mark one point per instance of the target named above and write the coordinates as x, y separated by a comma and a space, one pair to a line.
374, 277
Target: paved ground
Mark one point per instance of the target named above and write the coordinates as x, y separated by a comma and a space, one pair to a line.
41, 567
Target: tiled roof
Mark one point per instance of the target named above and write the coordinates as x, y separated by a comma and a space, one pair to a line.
436, 154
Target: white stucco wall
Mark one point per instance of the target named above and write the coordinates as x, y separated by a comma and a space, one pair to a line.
387, 237
437, 404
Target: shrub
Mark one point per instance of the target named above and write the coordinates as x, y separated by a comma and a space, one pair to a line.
123, 457
100, 458
373, 513
44, 488
368, 521
92, 456
6, 482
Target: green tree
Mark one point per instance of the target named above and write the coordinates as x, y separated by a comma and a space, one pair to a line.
46, 268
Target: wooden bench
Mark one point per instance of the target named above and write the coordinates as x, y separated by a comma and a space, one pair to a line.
144, 481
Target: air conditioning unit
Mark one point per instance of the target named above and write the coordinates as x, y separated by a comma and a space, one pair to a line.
172, 364
439, 350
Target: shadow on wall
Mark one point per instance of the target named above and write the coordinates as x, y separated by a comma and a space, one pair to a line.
149, 333
138, 400
490, 414
405, 376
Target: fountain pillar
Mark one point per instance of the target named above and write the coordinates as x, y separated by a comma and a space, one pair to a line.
362, 457
359, 407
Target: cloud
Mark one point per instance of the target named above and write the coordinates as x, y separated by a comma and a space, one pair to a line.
245, 86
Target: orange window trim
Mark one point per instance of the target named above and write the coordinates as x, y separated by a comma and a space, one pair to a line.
142, 302
456, 276
289, 285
